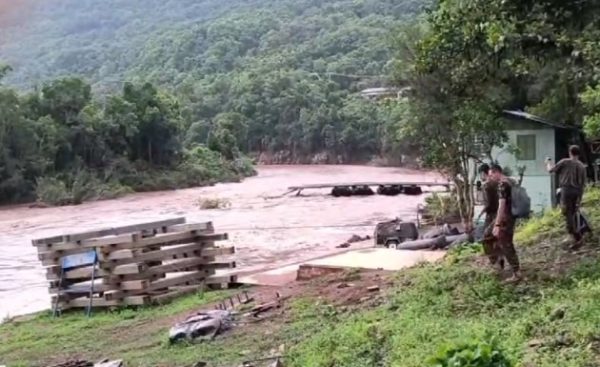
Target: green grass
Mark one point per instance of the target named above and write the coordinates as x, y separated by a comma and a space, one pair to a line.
551, 319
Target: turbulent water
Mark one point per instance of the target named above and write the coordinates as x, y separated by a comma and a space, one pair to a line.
266, 228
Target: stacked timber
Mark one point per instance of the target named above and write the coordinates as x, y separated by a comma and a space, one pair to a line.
136, 264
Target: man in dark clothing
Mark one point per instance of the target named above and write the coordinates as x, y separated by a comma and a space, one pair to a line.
504, 224
572, 177
490, 210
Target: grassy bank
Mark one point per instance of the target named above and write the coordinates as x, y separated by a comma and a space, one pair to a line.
551, 319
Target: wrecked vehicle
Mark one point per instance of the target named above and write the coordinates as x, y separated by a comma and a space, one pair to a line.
202, 326
394, 232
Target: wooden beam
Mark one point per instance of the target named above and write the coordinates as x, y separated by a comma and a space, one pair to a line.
89, 243
128, 241
198, 227
101, 302
162, 284
99, 287
179, 252
53, 273
177, 280
176, 293
139, 227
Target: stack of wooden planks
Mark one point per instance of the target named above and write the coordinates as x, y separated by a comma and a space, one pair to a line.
137, 264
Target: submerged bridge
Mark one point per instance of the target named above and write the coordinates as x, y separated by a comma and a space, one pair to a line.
365, 188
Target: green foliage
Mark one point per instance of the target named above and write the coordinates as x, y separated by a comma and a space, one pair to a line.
473, 354
551, 224
591, 122
214, 203
267, 76
65, 147
52, 191
441, 208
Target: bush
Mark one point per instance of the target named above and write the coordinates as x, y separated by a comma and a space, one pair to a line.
244, 166
52, 191
441, 208
83, 186
214, 203
474, 354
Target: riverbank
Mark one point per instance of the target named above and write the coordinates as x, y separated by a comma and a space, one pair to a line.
267, 230
550, 319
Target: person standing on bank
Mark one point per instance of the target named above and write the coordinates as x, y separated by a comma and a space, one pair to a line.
572, 178
490, 210
504, 225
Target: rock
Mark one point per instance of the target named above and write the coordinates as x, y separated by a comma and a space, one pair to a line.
535, 343
374, 288
107, 363
343, 285
364, 299
557, 314
343, 245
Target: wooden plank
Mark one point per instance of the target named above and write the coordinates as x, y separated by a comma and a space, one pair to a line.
65, 247
180, 280
128, 241
179, 252
155, 274
139, 227
117, 255
197, 227
221, 282
176, 293
101, 302
177, 280
173, 239
130, 285
181, 265
52, 273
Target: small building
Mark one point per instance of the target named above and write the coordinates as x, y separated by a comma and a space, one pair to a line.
381, 93
531, 139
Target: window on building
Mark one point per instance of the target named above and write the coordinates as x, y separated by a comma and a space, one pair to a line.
526, 147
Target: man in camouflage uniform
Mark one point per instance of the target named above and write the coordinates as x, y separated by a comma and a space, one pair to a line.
504, 224
490, 210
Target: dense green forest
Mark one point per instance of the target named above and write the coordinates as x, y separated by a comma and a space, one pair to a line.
63, 146
284, 74
101, 97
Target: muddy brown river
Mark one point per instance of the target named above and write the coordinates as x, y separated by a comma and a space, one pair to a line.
266, 230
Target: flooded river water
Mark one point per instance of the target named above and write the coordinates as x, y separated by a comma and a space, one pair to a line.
266, 231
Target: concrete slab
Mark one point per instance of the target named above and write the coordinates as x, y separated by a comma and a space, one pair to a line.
372, 258
379, 258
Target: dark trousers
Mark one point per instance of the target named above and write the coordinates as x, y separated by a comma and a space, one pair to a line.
501, 247
569, 199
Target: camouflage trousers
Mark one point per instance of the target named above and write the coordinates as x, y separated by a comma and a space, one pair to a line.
502, 247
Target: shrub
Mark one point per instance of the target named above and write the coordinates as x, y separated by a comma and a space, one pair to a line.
473, 354
214, 203
441, 208
83, 186
52, 191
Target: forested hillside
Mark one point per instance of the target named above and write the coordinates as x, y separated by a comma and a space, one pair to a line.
280, 76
